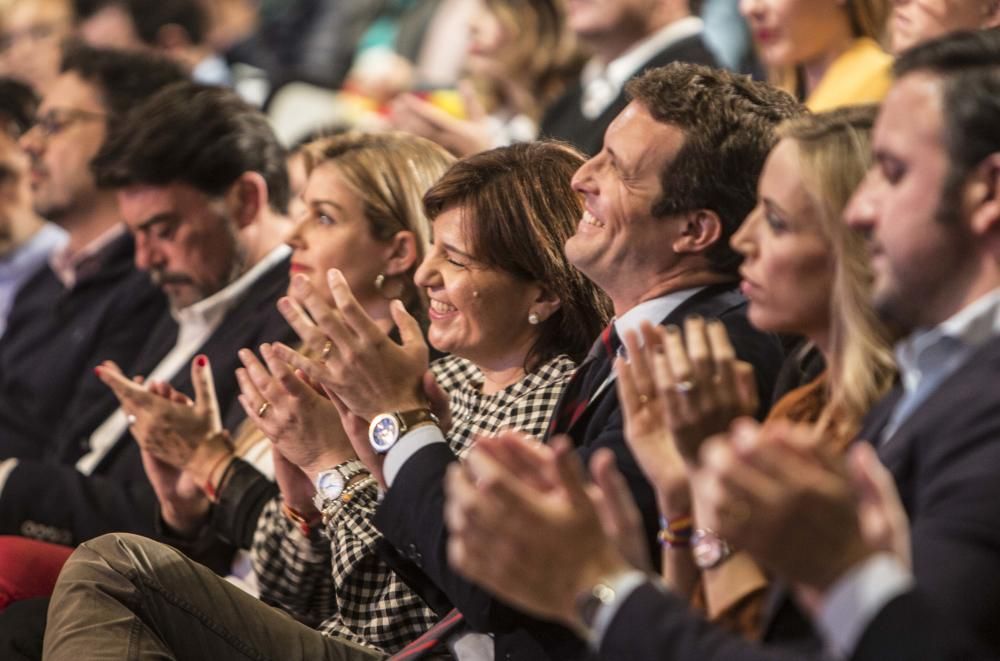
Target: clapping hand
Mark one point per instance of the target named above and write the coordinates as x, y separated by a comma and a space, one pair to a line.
523, 525
303, 424
358, 363
167, 424
180, 440
779, 494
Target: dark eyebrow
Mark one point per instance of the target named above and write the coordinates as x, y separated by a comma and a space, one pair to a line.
159, 219
451, 248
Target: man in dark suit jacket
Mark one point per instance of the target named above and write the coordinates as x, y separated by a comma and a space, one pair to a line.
937, 277
208, 225
627, 38
85, 307
660, 251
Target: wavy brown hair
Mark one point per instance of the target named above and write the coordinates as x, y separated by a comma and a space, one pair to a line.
518, 210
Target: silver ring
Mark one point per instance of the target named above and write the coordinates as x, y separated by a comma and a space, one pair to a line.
130, 419
684, 387
327, 348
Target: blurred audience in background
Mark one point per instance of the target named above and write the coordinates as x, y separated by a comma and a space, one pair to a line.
917, 21
26, 239
825, 52
625, 38
31, 35
173, 28
521, 56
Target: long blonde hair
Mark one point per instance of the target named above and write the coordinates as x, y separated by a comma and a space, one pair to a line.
390, 172
834, 150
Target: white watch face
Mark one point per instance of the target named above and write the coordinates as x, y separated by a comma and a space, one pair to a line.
383, 432
330, 484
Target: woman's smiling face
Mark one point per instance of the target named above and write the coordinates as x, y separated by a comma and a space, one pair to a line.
476, 311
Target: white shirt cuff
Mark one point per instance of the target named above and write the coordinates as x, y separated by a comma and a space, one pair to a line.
851, 604
623, 586
407, 446
7, 466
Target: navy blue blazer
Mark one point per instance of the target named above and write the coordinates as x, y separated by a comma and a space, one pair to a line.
945, 459
411, 515
57, 336
53, 500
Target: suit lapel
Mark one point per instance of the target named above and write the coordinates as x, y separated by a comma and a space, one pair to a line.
710, 302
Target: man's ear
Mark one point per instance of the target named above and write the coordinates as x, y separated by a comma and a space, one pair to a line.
982, 196
247, 198
402, 253
700, 230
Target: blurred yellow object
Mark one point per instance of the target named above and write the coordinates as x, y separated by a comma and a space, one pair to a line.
449, 101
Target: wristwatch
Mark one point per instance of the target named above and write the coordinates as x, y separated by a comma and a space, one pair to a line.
709, 549
330, 483
387, 428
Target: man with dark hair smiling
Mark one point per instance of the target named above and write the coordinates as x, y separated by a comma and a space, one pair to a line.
930, 209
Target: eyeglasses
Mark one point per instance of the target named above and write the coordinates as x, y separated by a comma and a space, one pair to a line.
56, 122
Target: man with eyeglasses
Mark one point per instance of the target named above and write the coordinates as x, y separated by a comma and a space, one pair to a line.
87, 306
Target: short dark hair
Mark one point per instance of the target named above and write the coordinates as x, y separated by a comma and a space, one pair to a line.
968, 65
519, 209
149, 16
18, 105
199, 135
124, 79
729, 122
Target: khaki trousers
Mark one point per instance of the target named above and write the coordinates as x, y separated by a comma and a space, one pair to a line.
127, 597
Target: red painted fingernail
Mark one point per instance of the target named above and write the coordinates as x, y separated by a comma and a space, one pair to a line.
97, 370
201, 361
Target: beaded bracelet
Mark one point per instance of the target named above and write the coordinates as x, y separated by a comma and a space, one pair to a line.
304, 523
676, 533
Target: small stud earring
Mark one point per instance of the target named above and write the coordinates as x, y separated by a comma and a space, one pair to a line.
379, 281
533, 319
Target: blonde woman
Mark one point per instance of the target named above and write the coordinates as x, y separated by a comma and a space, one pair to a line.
827, 53
804, 273
362, 214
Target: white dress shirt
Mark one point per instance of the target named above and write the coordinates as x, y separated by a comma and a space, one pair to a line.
603, 82
196, 323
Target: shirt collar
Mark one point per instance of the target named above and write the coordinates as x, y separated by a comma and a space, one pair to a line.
211, 309
35, 250
970, 328
654, 311
68, 267
619, 70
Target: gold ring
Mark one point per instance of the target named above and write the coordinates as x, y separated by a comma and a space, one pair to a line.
684, 387
643, 399
327, 348
263, 409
